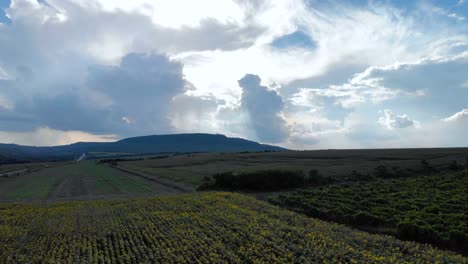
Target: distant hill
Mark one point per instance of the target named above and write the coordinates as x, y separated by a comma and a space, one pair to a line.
10, 153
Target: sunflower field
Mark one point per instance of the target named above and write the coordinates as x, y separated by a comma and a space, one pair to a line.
211, 227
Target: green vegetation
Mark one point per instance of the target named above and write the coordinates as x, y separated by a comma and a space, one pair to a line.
179, 175
77, 180
204, 227
374, 190
337, 164
431, 209
266, 180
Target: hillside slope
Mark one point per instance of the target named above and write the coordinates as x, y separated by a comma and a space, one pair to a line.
137, 145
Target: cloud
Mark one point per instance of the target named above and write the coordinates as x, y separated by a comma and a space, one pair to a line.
44, 136
195, 114
457, 117
264, 108
297, 39
139, 89
433, 82
127, 120
5, 103
391, 120
131, 98
95, 31
170, 14
142, 67
368, 31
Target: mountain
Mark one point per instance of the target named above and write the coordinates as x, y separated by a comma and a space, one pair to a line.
136, 145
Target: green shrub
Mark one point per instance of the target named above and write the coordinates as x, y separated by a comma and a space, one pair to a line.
429, 209
266, 180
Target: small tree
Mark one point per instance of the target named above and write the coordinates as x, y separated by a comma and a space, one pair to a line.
317, 179
381, 171
426, 167
454, 165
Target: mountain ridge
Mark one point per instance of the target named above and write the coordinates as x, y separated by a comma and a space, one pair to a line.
150, 144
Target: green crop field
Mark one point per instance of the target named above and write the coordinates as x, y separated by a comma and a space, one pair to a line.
192, 168
431, 209
121, 211
188, 228
77, 180
5, 168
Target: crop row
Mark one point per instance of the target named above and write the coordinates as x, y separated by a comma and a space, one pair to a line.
203, 228
431, 209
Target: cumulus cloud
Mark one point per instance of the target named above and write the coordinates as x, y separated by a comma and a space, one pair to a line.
264, 107
391, 120
432, 84
170, 14
140, 89
459, 116
142, 67
133, 97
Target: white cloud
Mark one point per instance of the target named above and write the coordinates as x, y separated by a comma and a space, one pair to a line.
63, 67
391, 120
174, 13
127, 120
5, 103
465, 84
435, 79
462, 115
3, 74
45, 136
195, 114
367, 32
444, 12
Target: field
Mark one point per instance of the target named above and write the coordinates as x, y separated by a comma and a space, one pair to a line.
6, 168
78, 181
431, 209
192, 168
204, 227
130, 210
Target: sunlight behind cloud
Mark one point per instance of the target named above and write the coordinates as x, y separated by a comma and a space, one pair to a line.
334, 65
177, 13
45, 136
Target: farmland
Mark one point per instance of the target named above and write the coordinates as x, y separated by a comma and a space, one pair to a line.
430, 209
205, 227
131, 210
192, 168
77, 180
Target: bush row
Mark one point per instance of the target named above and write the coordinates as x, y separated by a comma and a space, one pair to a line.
264, 180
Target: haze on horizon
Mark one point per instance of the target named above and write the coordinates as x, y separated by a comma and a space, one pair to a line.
301, 74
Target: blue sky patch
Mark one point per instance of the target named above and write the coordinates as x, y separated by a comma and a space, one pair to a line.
4, 4
295, 39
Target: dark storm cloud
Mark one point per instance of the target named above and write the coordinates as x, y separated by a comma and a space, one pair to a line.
263, 107
140, 89
133, 97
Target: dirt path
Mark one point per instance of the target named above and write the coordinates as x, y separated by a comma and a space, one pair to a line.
12, 173
56, 188
159, 180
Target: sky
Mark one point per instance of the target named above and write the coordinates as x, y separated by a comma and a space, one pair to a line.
302, 74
